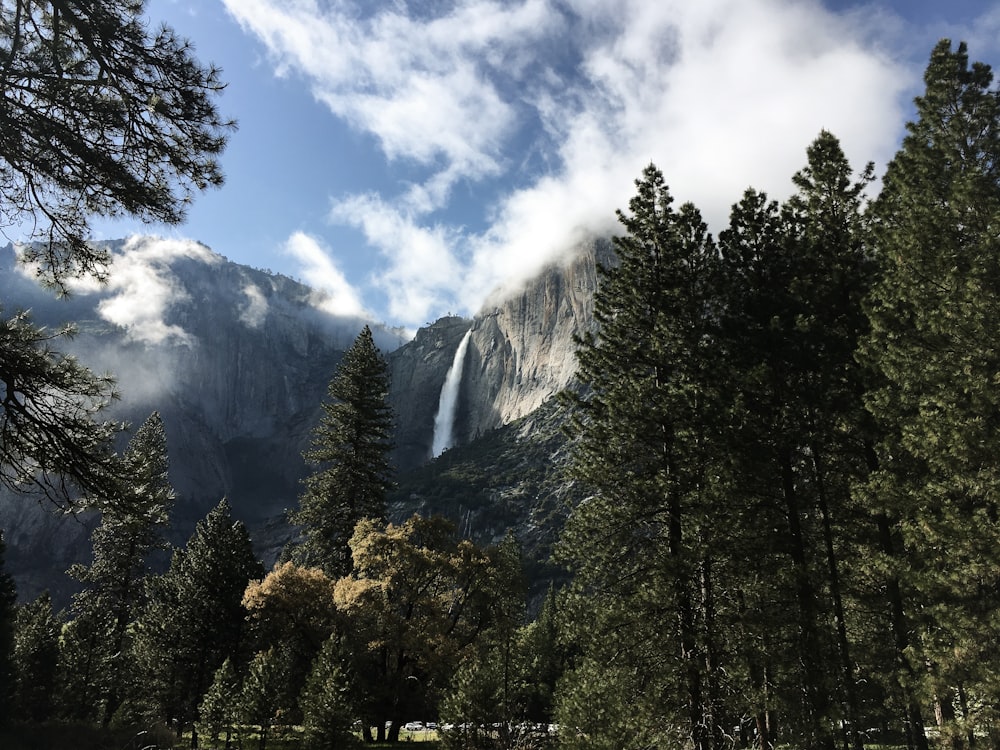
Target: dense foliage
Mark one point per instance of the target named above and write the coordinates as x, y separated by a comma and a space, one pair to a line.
789, 442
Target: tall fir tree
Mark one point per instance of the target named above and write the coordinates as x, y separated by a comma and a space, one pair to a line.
325, 701
98, 667
639, 547
194, 619
932, 349
795, 277
36, 660
350, 450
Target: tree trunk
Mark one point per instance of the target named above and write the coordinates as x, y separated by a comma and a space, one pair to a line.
916, 738
393, 733
811, 654
685, 622
846, 666
713, 667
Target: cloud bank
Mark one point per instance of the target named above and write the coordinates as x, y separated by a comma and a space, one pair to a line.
552, 108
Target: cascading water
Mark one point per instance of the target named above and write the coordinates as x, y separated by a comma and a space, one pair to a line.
444, 420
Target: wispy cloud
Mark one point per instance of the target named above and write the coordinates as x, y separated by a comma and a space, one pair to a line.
253, 311
142, 288
555, 106
334, 293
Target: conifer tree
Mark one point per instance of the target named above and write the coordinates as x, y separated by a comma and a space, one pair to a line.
350, 450
932, 349
325, 702
639, 547
49, 399
98, 664
795, 278
265, 698
194, 619
36, 659
219, 710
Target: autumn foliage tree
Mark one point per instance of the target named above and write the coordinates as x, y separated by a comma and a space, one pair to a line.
415, 600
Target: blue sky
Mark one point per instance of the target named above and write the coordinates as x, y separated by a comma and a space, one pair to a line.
411, 159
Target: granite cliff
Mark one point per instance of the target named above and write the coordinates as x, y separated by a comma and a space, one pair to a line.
520, 354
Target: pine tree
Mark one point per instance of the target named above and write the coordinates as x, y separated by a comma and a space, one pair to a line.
219, 710
36, 659
111, 117
639, 548
933, 318
326, 705
795, 277
8, 600
351, 452
195, 619
265, 699
135, 514
48, 399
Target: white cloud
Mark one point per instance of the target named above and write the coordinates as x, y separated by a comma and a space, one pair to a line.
423, 87
556, 107
254, 311
336, 295
142, 288
422, 267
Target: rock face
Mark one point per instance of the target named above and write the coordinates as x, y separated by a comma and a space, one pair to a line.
416, 375
521, 353
522, 350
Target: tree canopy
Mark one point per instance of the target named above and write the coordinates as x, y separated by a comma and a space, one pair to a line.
101, 116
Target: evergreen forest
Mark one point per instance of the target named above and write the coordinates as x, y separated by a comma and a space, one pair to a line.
783, 443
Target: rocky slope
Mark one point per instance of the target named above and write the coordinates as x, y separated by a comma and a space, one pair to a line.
236, 360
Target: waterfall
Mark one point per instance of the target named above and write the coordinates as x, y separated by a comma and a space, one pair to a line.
444, 420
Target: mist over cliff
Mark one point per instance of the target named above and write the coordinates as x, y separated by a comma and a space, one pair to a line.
237, 361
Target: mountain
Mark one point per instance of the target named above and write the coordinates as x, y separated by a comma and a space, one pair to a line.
237, 360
